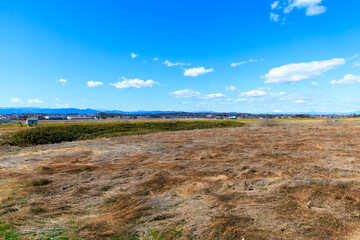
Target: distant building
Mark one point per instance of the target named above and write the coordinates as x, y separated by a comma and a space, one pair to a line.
32, 122
4, 120
55, 117
232, 117
78, 118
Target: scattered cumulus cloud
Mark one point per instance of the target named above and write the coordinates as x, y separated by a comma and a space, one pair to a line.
314, 84
348, 79
133, 83
171, 64
133, 55
186, 103
63, 106
235, 64
353, 57
312, 7
277, 111
35, 100
241, 100
238, 63
62, 81
264, 94
299, 101
155, 59
186, 93
194, 72
231, 88
253, 93
264, 89
215, 96
274, 17
15, 100
94, 84
281, 7
274, 5
295, 72
202, 104
356, 63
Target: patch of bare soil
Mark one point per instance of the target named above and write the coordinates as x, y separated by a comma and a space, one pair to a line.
298, 181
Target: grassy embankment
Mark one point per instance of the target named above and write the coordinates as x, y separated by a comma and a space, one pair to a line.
56, 133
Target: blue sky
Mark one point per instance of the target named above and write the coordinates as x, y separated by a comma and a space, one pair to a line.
241, 56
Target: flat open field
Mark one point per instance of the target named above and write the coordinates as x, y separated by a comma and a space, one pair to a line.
291, 181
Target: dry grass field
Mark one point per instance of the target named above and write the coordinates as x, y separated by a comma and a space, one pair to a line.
291, 181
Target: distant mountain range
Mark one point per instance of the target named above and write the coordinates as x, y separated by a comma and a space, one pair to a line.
71, 111
94, 111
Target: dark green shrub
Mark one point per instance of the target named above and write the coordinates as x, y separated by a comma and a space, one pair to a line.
37, 210
72, 132
38, 182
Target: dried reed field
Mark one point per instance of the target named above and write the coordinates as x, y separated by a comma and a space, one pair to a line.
261, 181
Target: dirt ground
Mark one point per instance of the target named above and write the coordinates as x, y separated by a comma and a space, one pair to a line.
292, 181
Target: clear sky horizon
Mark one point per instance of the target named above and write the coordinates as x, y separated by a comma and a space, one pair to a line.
225, 56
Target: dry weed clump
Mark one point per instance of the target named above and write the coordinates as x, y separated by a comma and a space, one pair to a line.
267, 123
300, 182
332, 122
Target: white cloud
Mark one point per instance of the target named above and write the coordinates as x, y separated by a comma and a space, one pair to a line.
94, 84
194, 72
267, 89
133, 83
277, 111
274, 5
253, 93
244, 62
299, 101
170, 64
133, 55
353, 57
63, 106
186, 93
313, 7
15, 100
315, 84
202, 104
295, 72
35, 100
215, 96
274, 17
186, 103
255, 60
356, 63
62, 81
155, 59
238, 63
231, 88
348, 79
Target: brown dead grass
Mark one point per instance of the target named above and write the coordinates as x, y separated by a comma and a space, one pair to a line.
280, 182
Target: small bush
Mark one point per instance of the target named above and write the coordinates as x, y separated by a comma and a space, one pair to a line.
38, 182
37, 210
268, 123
